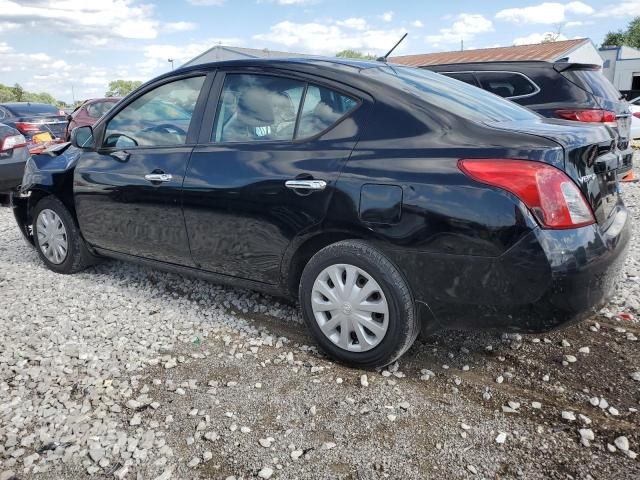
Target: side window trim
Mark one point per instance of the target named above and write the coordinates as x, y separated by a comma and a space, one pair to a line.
526, 77
210, 114
196, 119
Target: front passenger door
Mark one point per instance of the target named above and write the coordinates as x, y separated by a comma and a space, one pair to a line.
128, 192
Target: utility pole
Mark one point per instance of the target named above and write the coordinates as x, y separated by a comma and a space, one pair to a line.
462, 44
73, 96
170, 60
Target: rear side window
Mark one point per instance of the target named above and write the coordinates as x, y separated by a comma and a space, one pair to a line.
255, 108
506, 84
463, 77
458, 98
593, 81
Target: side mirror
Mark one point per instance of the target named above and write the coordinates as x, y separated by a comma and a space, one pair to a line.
82, 137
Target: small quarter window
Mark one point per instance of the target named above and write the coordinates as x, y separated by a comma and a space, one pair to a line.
322, 108
97, 109
506, 84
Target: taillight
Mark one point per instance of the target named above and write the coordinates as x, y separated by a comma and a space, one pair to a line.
11, 142
636, 114
553, 198
591, 115
27, 127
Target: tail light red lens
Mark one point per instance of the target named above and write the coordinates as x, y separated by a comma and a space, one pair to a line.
636, 114
591, 116
27, 127
11, 142
553, 198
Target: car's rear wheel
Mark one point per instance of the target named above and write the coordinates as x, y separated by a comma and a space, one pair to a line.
358, 305
58, 239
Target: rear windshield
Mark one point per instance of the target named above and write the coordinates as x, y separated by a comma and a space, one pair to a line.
451, 95
595, 82
33, 109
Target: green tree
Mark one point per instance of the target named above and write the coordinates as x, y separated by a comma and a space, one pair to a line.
629, 37
18, 92
119, 88
355, 54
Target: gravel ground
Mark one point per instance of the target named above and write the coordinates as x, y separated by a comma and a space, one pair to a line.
124, 372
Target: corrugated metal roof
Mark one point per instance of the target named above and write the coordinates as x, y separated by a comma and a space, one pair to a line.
540, 51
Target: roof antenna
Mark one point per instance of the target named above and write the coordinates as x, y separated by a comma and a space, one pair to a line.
384, 58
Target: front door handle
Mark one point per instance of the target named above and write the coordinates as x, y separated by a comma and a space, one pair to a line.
158, 177
315, 185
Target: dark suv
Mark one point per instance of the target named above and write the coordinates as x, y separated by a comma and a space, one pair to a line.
573, 91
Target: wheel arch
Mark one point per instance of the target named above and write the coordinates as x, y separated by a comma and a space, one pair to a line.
300, 254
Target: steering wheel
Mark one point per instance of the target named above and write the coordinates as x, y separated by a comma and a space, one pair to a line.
166, 128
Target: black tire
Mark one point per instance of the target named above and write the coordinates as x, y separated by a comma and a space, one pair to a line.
403, 325
78, 256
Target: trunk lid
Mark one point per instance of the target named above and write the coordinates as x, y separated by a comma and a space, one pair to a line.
590, 158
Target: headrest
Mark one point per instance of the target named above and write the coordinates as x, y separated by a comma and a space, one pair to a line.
254, 107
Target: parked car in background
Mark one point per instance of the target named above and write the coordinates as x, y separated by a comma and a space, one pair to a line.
572, 91
88, 113
13, 156
379, 196
38, 122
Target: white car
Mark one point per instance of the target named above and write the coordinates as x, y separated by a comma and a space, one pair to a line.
634, 106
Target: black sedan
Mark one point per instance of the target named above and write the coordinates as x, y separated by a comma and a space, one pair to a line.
13, 157
34, 119
384, 198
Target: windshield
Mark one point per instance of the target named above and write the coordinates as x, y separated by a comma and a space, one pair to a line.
27, 109
452, 95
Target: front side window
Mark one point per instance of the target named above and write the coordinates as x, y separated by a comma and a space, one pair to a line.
263, 107
160, 117
506, 84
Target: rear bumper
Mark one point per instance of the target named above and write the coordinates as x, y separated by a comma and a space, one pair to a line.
12, 168
626, 162
548, 279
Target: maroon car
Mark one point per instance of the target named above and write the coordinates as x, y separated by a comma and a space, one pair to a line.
89, 112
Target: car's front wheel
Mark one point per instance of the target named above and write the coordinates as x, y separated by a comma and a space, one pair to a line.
57, 238
358, 305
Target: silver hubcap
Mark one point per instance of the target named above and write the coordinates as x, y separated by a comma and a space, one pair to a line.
350, 307
52, 236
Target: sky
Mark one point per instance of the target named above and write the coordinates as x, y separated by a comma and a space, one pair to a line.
73, 48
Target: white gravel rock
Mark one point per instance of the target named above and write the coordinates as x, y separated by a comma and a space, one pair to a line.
622, 443
265, 473
501, 438
568, 415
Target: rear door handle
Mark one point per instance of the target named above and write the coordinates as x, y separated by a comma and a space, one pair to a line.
315, 185
158, 177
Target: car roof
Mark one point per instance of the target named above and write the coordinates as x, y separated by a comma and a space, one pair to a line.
303, 64
510, 64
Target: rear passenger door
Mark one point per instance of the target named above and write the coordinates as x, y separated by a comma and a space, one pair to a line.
270, 150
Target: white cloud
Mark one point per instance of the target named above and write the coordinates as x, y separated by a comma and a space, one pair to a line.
537, 38
625, 8
329, 38
289, 2
156, 56
206, 3
171, 27
466, 27
79, 19
387, 16
356, 23
545, 13
417, 24
578, 23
